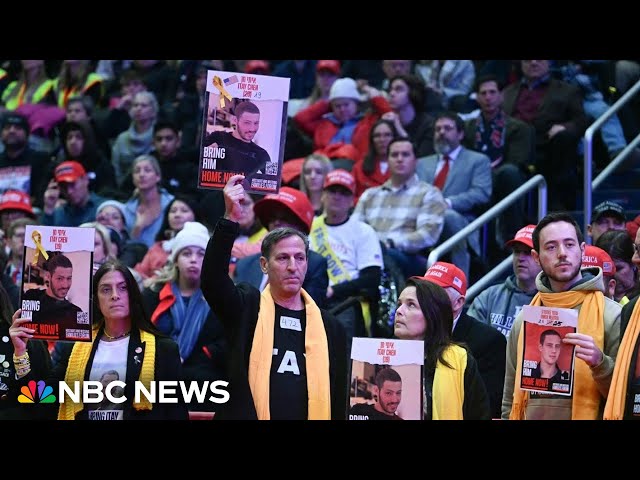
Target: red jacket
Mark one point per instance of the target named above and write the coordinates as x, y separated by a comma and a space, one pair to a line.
311, 121
364, 181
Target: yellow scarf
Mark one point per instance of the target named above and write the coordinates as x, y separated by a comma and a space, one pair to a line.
319, 239
586, 397
78, 364
614, 409
317, 355
448, 385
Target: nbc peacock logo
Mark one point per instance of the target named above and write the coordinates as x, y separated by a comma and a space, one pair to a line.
44, 393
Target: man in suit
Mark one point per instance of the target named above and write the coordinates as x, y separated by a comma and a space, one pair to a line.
554, 109
288, 208
486, 344
509, 144
464, 177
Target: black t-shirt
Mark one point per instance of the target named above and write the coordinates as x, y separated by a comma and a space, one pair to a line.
56, 312
240, 157
365, 411
288, 397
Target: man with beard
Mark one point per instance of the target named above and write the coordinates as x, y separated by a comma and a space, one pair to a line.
464, 177
558, 246
389, 393
53, 308
242, 154
21, 168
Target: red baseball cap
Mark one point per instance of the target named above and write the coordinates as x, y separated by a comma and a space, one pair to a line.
596, 257
523, 236
16, 200
69, 171
256, 66
294, 200
291, 169
447, 275
340, 177
332, 66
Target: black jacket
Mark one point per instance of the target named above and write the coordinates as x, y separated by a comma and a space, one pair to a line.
488, 346
167, 367
237, 306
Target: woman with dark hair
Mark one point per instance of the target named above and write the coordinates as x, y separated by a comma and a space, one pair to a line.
183, 208
124, 340
619, 245
40, 363
373, 170
453, 387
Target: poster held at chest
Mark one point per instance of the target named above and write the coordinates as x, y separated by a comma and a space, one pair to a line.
548, 362
56, 284
386, 379
243, 131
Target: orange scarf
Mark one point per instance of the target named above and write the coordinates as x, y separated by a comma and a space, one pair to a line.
586, 397
614, 409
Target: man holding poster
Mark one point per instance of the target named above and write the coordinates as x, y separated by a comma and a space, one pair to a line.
237, 152
558, 246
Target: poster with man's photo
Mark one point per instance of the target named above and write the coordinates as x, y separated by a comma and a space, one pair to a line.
56, 282
243, 130
386, 379
547, 362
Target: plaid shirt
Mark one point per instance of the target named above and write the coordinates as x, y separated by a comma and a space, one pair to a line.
411, 216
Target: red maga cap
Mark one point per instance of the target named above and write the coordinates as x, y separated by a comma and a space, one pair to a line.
332, 66
447, 275
596, 257
69, 171
294, 200
523, 236
340, 177
16, 200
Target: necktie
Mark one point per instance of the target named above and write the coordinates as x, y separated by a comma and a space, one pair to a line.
442, 174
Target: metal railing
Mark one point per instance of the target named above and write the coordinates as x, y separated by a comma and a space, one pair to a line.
590, 185
538, 182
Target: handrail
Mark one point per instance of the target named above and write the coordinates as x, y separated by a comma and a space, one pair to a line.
588, 154
487, 280
536, 181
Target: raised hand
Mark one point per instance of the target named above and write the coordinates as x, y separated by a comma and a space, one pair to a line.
19, 333
233, 195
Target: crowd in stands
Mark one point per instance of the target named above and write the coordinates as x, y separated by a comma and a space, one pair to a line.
383, 161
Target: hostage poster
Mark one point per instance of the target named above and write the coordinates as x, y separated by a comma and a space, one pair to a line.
56, 284
547, 362
243, 130
386, 379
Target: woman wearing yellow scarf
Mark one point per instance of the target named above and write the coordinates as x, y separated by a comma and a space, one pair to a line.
126, 346
454, 389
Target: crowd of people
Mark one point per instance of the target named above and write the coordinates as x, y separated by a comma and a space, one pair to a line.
381, 163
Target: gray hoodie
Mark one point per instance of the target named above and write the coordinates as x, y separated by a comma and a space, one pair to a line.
558, 407
499, 304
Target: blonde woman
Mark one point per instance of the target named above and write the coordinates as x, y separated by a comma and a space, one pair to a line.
144, 210
314, 169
